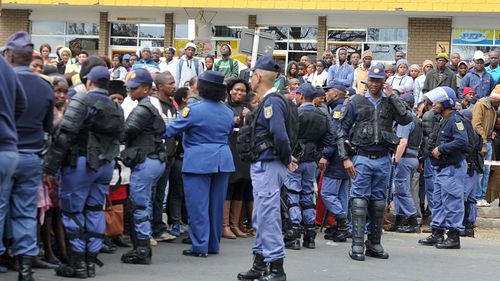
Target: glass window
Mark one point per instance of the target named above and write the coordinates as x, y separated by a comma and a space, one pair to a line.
124, 42
226, 31
292, 56
52, 41
47, 28
152, 30
303, 33
181, 31
76, 44
83, 28
387, 35
467, 52
347, 35
124, 29
280, 32
351, 48
384, 52
280, 46
303, 46
151, 43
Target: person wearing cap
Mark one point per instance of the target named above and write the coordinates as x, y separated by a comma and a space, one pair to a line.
418, 84
126, 61
145, 61
314, 135
389, 70
441, 76
117, 91
168, 63
117, 71
463, 68
18, 204
478, 78
467, 97
145, 154
454, 60
226, 64
188, 66
483, 119
493, 68
365, 140
448, 158
342, 72
406, 162
207, 126
361, 72
414, 72
84, 151
334, 190
268, 171
401, 82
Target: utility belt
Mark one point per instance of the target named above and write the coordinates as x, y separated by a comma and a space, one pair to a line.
410, 155
441, 167
372, 154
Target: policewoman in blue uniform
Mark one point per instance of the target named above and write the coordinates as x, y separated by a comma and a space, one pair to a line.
208, 162
272, 155
315, 134
448, 158
145, 154
366, 126
335, 190
85, 147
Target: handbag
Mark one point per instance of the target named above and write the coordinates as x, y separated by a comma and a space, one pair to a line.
113, 215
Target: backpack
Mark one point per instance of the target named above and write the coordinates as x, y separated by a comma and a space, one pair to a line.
246, 139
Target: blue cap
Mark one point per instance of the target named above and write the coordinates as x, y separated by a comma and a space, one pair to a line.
171, 49
409, 98
213, 77
139, 77
320, 92
99, 74
376, 71
350, 91
339, 86
266, 63
307, 90
467, 113
18, 41
126, 57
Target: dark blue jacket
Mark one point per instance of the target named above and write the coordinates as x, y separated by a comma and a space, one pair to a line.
481, 84
12, 105
451, 141
335, 167
39, 114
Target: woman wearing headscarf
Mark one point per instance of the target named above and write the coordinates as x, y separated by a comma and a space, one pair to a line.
64, 65
401, 82
207, 126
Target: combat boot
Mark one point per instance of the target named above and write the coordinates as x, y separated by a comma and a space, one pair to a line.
437, 236
412, 226
141, 254
469, 230
309, 236
259, 269
398, 222
359, 211
373, 246
92, 260
275, 273
342, 232
76, 267
292, 237
452, 241
25, 266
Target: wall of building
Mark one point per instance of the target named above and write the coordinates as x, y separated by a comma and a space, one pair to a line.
12, 21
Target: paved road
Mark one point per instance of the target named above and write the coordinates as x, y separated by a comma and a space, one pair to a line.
478, 260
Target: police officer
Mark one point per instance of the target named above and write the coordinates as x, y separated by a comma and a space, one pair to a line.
334, 190
85, 147
268, 171
410, 138
448, 157
314, 135
366, 126
145, 154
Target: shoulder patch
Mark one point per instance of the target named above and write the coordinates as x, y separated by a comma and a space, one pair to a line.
185, 111
336, 114
460, 126
268, 111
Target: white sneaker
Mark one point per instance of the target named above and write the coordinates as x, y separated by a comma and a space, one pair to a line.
153, 242
165, 237
479, 203
486, 204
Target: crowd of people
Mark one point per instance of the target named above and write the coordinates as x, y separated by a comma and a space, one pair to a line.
94, 151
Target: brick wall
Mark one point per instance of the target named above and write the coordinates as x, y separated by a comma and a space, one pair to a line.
12, 21
423, 33
103, 34
321, 36
169, 30
252, 21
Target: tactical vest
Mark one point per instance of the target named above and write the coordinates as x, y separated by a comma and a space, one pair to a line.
311, 129
373, 125
416, 136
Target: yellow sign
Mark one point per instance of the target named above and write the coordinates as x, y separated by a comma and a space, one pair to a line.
497, 37
442, 47
472, 36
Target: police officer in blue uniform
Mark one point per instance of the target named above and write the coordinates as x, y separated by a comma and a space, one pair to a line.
145, 154
268, 170
406, 161
314, 135
366, 127
334, 190
208, 162
85, 147
448, 157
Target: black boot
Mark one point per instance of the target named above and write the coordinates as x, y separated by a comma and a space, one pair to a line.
342, 232
452, 241
76, 267
373, 246
398, 222
437, 236
358, 213
120, 241
25, 265
292, 237
259, 269
469, 230
141, 254
276, 272
412, 226
309, 236
92, 260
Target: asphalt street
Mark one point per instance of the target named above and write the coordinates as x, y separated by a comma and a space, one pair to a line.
478, 260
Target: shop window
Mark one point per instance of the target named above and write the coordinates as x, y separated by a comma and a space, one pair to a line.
135, 36
384, 52
387, 34
83, 28
346, 35
151, 31
47, 28
467, 41
221, 31
123, 30
181, 31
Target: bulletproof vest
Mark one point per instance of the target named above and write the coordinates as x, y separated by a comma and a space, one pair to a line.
311, 129
415, 137
373, 125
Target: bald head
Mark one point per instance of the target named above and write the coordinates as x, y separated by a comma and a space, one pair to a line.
262, 81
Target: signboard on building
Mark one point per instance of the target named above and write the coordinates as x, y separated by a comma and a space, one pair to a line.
472, 36
442, 47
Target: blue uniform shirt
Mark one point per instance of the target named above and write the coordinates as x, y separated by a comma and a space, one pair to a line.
207, 126
403, 132
335, 167
452, 140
